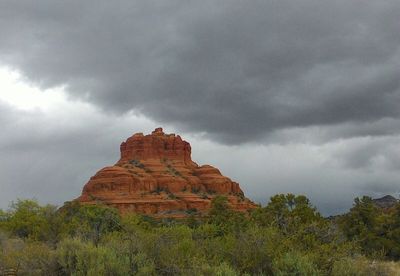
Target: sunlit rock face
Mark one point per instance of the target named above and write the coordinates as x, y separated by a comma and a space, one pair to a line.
156, 176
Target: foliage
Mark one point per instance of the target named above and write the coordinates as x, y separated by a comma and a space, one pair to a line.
287, 212
84, 258
88, 221
226, 219
26, 257
295, 263
376, 231
27, 219
361, 266
286, 237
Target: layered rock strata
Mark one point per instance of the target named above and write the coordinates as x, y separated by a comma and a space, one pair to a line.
156, 176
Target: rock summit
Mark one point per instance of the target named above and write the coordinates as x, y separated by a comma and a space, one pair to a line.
156, 176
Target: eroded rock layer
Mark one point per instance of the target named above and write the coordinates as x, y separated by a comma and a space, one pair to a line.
156, 176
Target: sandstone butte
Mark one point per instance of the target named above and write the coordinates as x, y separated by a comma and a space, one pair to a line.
156, 176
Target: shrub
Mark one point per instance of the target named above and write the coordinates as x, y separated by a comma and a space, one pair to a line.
26, 258
361, 266
295, 263
90, 222
27, 219
78, 258
195, 190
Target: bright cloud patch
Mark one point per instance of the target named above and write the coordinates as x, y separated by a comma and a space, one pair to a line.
15, 91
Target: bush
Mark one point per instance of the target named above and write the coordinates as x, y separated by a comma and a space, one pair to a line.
79, 258
288, 237
361, 266
295, 263
27, 219
89, 221
33, 258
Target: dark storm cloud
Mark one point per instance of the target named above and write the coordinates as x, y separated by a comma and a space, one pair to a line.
315, 84
236, 70
50, 155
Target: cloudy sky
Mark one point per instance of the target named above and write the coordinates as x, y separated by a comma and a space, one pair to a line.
283, 96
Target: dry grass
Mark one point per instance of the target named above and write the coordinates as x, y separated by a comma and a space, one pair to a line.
364, 267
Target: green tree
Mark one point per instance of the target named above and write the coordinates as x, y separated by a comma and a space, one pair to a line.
287, 212
393, 233
172, 249
362, 220
224, 217
220, 211
374, 229
363, 225
89, 221
27, 219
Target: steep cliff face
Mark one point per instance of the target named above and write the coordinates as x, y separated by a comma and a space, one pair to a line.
156, 176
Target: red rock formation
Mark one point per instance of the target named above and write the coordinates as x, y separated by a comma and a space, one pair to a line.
156, 175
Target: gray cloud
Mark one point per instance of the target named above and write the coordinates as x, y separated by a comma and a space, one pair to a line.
382, 153
317, 171
50, 156
309, 89
234, 70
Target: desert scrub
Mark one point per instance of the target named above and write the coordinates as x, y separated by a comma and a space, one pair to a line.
361, 266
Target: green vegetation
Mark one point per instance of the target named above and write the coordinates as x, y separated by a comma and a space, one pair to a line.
171, 170
172, 195
195, 190
139, 165
375, 230
286, 237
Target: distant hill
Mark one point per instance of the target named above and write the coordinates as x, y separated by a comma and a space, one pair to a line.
386, 202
